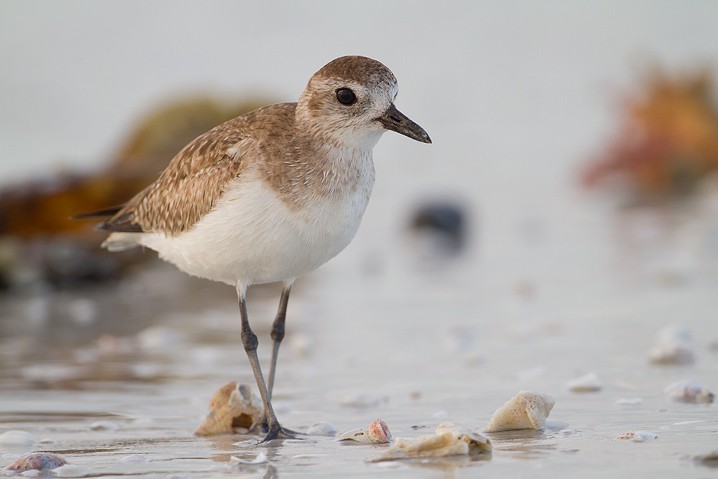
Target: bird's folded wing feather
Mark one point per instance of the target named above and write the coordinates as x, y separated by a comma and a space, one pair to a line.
190, 185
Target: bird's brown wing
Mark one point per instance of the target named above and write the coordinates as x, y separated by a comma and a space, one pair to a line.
190, 185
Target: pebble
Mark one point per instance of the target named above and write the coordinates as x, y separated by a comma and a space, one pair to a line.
586, 383
322, 429
674, 345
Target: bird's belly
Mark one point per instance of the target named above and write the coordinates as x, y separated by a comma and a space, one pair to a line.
252, 236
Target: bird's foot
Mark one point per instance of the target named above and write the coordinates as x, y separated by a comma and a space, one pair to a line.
278, 432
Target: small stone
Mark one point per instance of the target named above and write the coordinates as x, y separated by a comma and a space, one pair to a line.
586, 383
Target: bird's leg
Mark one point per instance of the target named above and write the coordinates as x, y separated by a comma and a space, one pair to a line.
278, 334
250, 343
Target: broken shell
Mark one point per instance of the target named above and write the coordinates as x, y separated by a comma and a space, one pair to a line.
526, 410
638, 436
357, 435
39, 461
448, 440
586, 383
377, 433
674, 345
689, 391
234, 405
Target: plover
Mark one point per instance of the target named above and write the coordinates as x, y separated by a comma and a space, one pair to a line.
270, 195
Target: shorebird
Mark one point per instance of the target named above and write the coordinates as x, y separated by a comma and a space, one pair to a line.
270, 195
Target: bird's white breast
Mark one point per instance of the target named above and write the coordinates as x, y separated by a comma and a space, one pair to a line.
252, 236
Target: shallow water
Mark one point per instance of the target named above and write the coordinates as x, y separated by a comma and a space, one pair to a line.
418, 341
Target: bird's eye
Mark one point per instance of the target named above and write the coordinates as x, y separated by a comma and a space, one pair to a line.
346, 96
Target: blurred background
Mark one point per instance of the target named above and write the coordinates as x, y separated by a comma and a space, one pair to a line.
570, 189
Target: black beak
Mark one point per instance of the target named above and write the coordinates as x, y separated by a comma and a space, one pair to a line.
395, 120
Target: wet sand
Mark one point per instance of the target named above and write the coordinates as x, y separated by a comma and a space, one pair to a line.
377, 333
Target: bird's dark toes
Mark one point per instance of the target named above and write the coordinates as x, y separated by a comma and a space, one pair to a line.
280, 433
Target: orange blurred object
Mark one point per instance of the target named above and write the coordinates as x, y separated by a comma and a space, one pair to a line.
668, 140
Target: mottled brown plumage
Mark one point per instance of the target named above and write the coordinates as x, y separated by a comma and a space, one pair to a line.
197, 176
290, 161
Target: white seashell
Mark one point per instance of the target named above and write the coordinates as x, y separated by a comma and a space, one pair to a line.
689, 391
674, 345
17, 439
449, 440
321, 429
586, 383
526, 410
377, 433
638, 436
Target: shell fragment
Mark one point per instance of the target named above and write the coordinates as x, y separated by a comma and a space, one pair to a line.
377, 433
233, 405
448, 440
526, 410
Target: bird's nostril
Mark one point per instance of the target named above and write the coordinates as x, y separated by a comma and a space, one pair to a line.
395, 118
